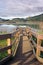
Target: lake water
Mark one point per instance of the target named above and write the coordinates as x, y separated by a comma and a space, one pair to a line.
7, 28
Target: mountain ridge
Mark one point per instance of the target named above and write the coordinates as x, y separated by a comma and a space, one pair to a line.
34, 18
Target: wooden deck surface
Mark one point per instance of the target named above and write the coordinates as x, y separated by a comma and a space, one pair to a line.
24, 55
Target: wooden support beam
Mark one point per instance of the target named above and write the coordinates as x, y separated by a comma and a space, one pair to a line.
38, 44
8, 44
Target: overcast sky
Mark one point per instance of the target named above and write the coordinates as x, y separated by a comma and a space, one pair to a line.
20, 8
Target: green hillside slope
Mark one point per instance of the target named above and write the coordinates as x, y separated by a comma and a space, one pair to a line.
36, 18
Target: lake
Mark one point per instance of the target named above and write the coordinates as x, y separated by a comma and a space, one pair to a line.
7, 28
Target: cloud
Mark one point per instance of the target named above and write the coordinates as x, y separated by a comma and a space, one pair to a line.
20, 8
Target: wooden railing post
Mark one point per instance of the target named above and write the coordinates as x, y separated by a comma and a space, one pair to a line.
38, 44
8, 44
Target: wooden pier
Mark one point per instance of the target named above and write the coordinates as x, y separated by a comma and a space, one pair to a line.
23, 53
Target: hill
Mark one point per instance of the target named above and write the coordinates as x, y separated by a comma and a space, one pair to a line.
19, 20
35, 18
15, 20
3, 20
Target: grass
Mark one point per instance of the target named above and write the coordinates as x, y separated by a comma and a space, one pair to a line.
3, 55
3, 43
3, 33
40, 32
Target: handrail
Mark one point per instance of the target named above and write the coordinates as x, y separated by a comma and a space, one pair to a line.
40, 48
37, 46
5, 48
10, 44
8, 35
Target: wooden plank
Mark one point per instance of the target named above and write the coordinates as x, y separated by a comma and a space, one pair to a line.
5, 48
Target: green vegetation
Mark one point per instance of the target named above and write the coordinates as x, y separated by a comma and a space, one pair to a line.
3, 33
3, 43
36, 26
19, 20
40, 32
34, 39
41, 54
16, 20
12, 39
3, 55
36, 18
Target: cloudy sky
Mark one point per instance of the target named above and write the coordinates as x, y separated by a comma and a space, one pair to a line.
20, 8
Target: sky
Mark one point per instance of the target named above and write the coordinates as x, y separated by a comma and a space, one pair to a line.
20, 8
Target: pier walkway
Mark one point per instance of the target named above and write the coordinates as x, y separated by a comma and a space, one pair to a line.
24, 55
22, 47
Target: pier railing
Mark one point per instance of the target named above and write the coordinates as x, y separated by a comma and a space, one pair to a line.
12, 40
36, 39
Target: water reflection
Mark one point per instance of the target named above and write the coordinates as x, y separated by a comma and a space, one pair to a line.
7, 28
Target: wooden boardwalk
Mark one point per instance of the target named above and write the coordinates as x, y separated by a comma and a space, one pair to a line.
24, 55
